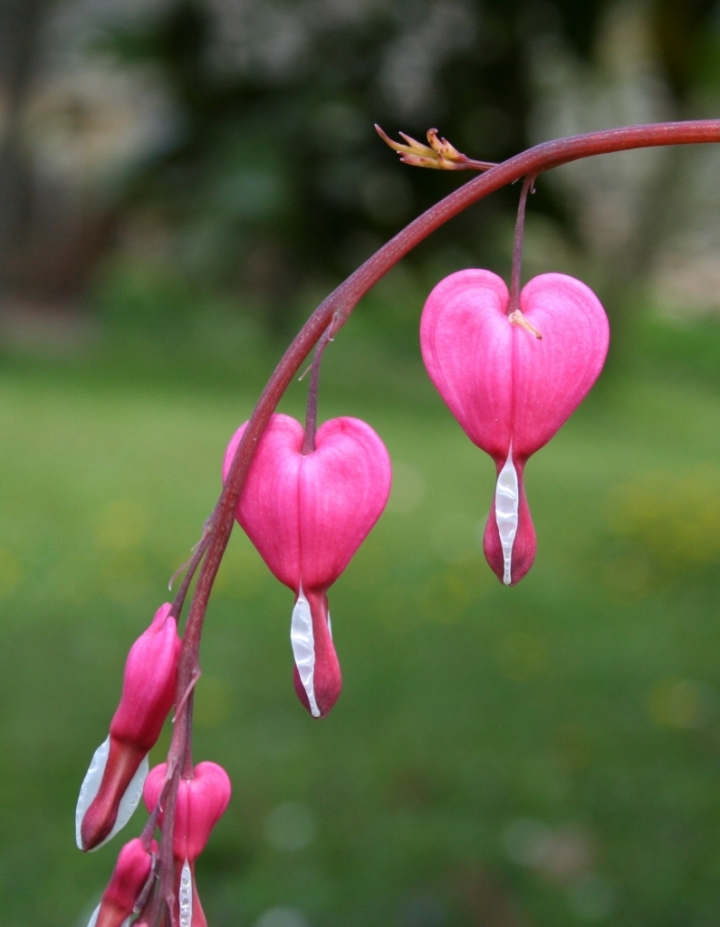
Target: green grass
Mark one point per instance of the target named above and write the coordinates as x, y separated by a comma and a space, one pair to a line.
543, 755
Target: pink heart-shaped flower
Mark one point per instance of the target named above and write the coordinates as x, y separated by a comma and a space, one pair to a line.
307, 515
510, 390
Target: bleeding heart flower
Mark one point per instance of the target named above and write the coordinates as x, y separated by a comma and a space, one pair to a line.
113, 783
126, 885
509, 389
201, 802
307, 515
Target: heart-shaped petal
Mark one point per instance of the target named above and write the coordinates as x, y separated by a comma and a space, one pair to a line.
201, 802
510, 389
308, 514
505, 386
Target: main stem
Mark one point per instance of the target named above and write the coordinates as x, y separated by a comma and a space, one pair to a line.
335, 310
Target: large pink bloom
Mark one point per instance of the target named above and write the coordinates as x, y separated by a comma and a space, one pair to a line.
509, 390
307, 515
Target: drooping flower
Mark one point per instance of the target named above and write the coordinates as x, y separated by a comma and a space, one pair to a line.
201, 802
307, 515
509, 389
126, 885
113, 783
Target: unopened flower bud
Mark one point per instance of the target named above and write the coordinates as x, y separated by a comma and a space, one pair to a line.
307, 514
512, 381
201, 802
126, 885
113, 784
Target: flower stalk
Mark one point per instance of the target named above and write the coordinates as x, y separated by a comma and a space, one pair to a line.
329, 317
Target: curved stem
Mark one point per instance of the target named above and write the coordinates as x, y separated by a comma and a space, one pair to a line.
335, 310
312, 402
190, 567
514, 301
187, 771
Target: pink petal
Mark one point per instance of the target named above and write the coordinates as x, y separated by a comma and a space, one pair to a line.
344, 486
149, 682
509, 390
502, 383
307, 515
268, 509
127, 882
466, 343
201, 803
551, 377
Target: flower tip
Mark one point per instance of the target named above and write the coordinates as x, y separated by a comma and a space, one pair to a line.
327, 692
109, 794
128, 883
524, 549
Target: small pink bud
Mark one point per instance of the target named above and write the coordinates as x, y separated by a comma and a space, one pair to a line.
113, 784
509, 389
307, 514
201, 802
128, 880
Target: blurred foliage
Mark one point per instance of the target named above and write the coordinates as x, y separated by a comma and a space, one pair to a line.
672, 518
276, 176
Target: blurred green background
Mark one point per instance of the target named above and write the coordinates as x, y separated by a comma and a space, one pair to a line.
180, 183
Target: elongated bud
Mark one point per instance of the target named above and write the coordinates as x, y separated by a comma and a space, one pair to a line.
126, 885
201, 802
113, 784
307, 514
511, 386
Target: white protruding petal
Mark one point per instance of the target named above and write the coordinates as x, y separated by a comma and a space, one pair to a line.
185, 896
303, 647
91, 786
330, 626
507, 501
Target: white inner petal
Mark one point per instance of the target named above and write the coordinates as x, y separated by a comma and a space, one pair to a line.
185, 896
330, 626
507, 500
303, 647
91, 786
94, 917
